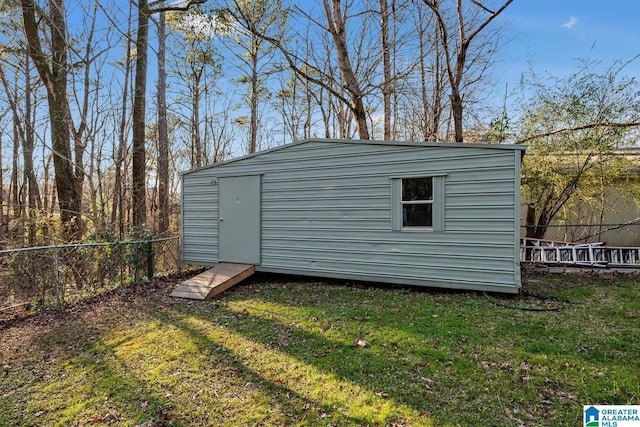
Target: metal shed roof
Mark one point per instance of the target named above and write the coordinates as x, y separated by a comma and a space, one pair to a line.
512, 147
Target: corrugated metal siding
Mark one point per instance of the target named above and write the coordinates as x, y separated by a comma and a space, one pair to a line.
326, 211
200, 218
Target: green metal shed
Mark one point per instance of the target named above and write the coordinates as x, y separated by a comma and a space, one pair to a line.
428, 214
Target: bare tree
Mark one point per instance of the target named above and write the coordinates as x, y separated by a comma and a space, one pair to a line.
23, 117
138, 169
432, 78
117, 212
3, 231
163, 132
353, 95
14, 190
53, 71
79, 132
469, 24
255, 55
336, 25
197, 64
387, 88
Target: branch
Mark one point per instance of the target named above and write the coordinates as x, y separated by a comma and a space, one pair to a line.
33, 39
483, 7
581, 127
613, 227
154, 6
289, 56
444, 36
489, 18
310, 18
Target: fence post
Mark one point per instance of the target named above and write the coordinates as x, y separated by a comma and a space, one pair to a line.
121, 263
179, 256
149, 245
56, 274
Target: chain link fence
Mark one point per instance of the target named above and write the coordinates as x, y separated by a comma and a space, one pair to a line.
33, 279
623, 235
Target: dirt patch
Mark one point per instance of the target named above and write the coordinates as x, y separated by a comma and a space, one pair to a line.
117, 303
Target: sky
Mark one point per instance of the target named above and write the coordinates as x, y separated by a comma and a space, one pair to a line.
553, 35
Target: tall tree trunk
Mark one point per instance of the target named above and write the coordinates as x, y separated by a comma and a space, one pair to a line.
3, 231
386, 69
456, 111
27, 155
426, 134
18, 189
336, 25
14, 189
138, 179
163, 133
253, 120
68, 198
436, 103
117, 216
93, 192
13, 199
195, 121
53, 74
46, 203
101, 191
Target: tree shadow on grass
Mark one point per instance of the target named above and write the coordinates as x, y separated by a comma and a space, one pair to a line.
286, 405
80, 380
459, 342
90, 380
378, 376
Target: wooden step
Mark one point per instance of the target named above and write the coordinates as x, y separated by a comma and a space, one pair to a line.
213, 281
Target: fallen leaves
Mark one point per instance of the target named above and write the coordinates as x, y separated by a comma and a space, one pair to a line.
361, 343
108, 418
484, 364
316, 363
428, 382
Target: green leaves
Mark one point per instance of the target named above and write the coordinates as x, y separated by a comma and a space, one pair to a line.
575, 128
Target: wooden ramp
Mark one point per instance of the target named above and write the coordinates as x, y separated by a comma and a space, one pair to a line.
213, 281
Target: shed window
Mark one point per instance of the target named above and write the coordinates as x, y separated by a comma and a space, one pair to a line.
417, 202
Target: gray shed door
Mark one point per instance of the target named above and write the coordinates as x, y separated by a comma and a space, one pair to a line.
239, 224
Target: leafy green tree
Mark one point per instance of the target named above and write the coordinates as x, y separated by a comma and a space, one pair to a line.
575, 128
498, 131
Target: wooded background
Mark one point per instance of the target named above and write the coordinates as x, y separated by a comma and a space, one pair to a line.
104, 102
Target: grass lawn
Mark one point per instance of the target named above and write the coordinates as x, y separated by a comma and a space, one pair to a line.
279, 352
